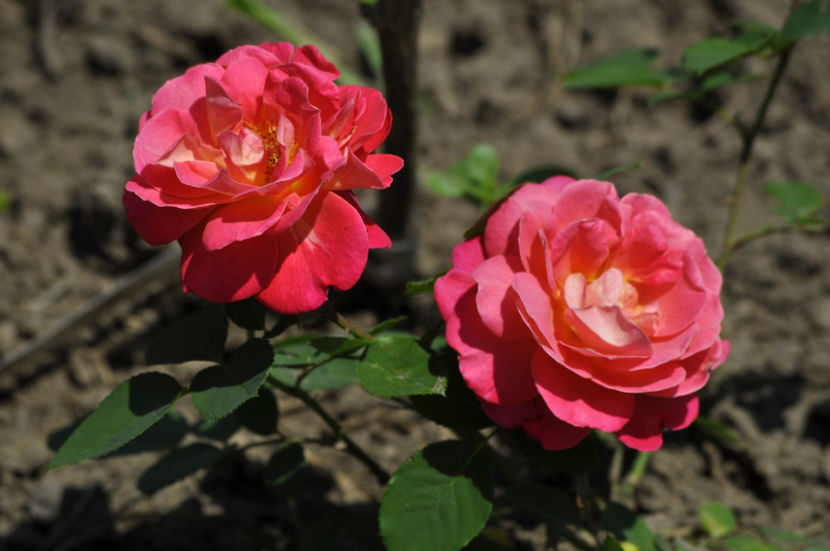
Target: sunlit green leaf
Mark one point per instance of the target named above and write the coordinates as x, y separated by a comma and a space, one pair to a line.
781, 535
199, 336
611, 544
369, 45
177, 465
438, 499
718, 431
626, 525
747, 543
218, 390
397, 366
797, 200
715, 52
386, 325
809, 18
133, 407
422, 286
335, 373
630, 68
717, 519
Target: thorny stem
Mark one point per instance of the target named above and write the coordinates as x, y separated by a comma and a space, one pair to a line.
351, 447
746, 154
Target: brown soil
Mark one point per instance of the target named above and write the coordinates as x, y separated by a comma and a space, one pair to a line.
74, 78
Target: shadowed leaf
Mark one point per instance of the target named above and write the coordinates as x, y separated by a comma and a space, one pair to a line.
134, 406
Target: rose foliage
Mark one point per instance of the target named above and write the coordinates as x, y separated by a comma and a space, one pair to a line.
578, 310
250, 163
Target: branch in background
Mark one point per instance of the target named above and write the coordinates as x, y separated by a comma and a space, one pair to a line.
397, 25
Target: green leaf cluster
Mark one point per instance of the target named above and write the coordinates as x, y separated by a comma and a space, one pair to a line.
474, 177
707, 65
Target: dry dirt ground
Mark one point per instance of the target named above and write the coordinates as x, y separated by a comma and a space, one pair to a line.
76, 74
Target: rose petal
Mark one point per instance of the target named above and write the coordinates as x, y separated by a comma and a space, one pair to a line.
495, 298
497, 371
327, 246
233, 273
645, 430
160, 225
240, 221
578, 401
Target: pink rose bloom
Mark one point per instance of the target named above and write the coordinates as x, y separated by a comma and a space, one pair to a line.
249, 163
578, 310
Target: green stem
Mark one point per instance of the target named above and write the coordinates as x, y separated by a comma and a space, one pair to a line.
344, 323
351, 447
637, 470
746, 155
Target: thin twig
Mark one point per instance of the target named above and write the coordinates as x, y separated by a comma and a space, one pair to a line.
746, 155
125, 287
351, 447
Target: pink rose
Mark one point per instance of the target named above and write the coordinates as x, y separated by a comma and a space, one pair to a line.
578, 310
249, 163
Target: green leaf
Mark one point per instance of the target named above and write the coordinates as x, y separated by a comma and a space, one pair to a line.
397, 366
714, 52
717, 519
177, 465
475, 176
539, 174
163, 435
386, 325
287, 461
797, 200
626, 525
337, 373
718, 431
483, 165
247, 314
367, 41
611, 544
219, 429
630, 68
133, 407
789, 537
614, 171
260, 413
438, 499
422, 286
543, 502
808, 19
219, 389
579, 459
747, 543
199, 336
5, 200
337, 346
458, 407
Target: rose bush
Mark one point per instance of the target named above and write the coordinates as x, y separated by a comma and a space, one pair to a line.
249, 162
578, 310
